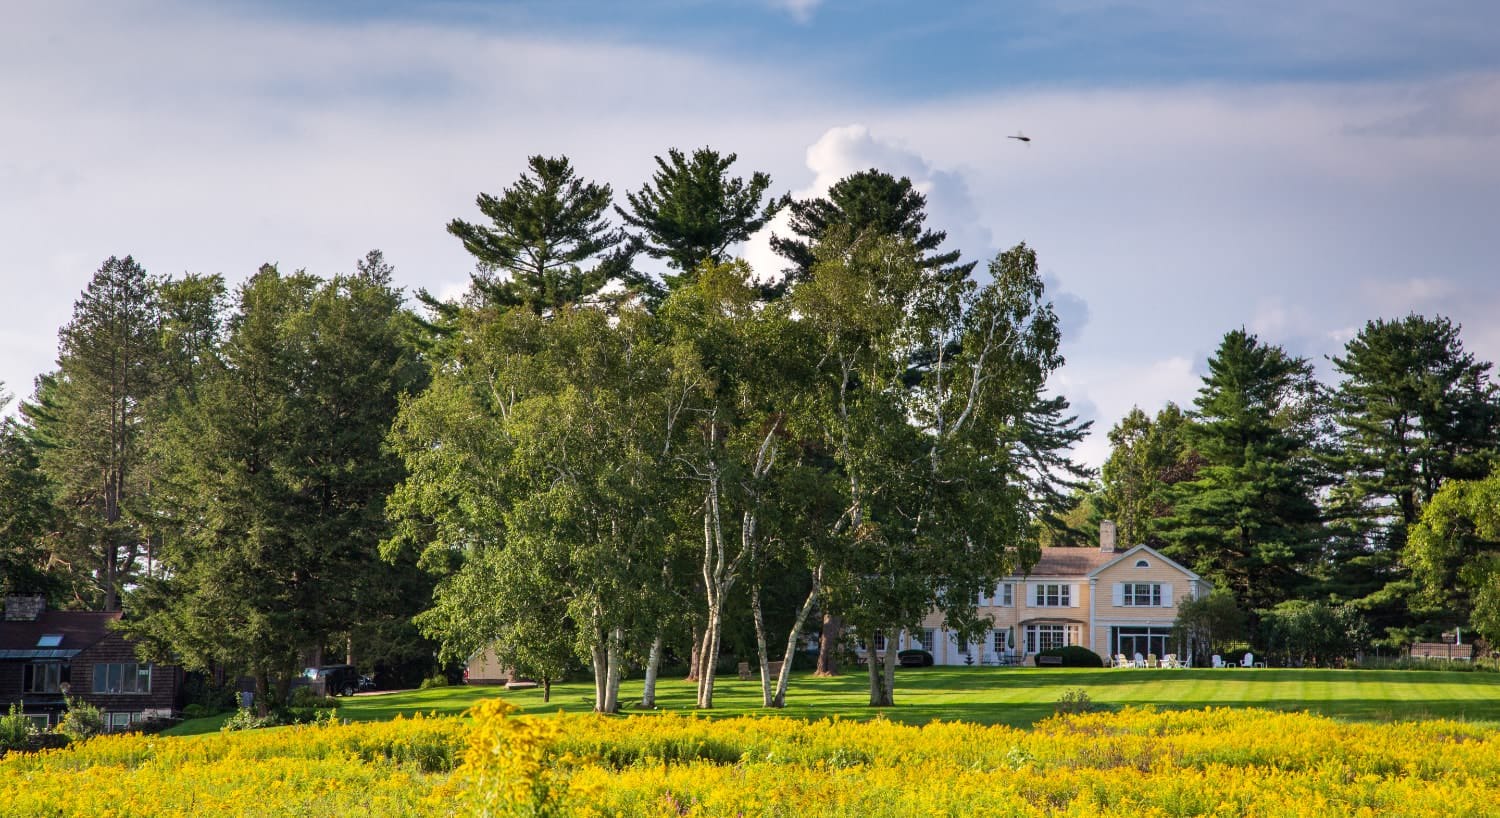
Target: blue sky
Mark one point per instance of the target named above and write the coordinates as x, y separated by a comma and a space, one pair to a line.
1296, 168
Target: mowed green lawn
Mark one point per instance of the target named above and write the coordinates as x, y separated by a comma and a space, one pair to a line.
1014, 696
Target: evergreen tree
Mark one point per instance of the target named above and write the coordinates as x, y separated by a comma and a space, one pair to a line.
692, 211
97, 424
27, 517
279, 474
1247, 521
1413, 411
544, 230
868, 201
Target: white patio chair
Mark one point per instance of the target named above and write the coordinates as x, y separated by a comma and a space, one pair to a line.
1140, 661
1121, 661
1248, 661
1219, 661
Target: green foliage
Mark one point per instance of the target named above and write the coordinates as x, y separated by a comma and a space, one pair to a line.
1300, 633
1074, 702
1454, 553
1247, 520
543, 229
931, 403
278, 474
1147, 457
1075, 656
692, 211
438, 680
869, 202
81, 721
1413, 411
27, 513
16, 729
247, 719
1209, 623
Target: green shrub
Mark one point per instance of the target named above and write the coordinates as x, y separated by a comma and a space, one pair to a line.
1075, 656
1074, 702
305, 697
82, 721
15, 729
245, 719
436, 680
914, 657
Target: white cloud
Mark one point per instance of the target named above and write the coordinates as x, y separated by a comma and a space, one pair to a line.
801, 10
1105, 394
849, 149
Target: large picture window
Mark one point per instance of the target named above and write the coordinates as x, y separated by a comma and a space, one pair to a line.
1046, 637
1053, 595
127, 677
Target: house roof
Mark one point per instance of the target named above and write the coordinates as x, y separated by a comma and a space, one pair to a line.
78, 629
1131, 552
1060, 561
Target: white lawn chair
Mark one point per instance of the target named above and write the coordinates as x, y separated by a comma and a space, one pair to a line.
1140, 661
1121, 661
1248, 661
1169, 661
1219, 661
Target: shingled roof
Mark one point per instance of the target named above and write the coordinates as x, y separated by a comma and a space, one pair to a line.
1068, 562
78, 629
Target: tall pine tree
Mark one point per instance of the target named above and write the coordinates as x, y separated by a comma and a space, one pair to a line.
1248, 521
1413, 410
548, 242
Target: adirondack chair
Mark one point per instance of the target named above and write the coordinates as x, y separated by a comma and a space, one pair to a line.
1121, 661
1248, 661
1151, 660
1219, 661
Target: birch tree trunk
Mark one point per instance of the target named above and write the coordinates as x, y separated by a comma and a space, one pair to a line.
614, 656
784, 678
653, 664
600, 662
760, 646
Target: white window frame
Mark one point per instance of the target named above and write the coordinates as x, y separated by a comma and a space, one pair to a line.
1053, 633
1053, 595
925, 638
1142, 595
1007, 594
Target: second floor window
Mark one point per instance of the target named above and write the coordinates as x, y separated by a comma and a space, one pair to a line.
127, 677
925, 635
44, 677
1142, 594
1053, 595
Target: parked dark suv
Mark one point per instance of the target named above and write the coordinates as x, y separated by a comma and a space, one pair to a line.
338, 680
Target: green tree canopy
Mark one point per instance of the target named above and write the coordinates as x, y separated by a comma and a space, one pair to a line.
279, 475
692, 210
1412, 411
1454, 552
1247, 521
548, 242
1148, 456
868, 201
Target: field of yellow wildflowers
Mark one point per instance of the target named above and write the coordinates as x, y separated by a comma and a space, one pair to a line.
1136, 762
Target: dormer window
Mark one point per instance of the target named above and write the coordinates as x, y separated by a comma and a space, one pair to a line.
1142, 564
49, 640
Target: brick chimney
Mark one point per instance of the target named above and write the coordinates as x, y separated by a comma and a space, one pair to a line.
1107, 536
24, 607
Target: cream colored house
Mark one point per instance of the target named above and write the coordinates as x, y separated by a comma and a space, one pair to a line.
1112, 602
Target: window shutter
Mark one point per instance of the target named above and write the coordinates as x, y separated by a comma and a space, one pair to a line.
1073, 595
1031, 594
1166, 594
1119, 594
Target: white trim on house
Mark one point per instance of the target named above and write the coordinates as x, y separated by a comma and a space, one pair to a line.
1153, 552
